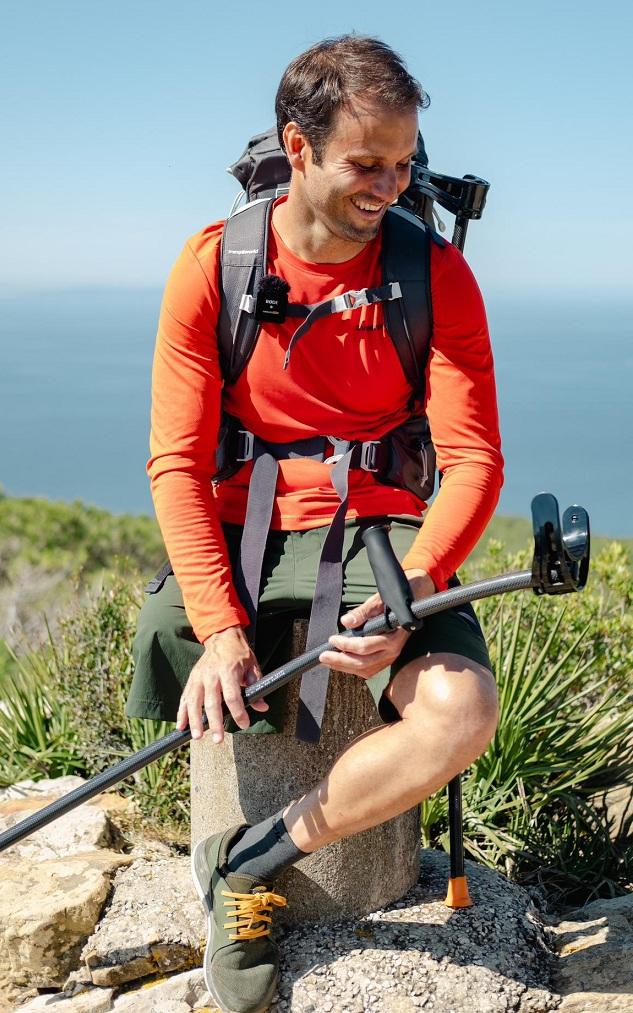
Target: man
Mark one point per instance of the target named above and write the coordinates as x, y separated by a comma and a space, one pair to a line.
347, 119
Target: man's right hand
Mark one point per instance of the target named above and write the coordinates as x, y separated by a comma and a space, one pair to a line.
227, 665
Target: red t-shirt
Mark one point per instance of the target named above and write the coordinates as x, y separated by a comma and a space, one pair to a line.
345, 380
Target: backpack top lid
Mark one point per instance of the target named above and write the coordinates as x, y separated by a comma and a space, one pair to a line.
263, 169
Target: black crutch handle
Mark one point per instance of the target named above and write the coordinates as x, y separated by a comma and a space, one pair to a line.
391, 581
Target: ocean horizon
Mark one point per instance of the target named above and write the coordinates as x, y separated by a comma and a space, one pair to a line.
75, 392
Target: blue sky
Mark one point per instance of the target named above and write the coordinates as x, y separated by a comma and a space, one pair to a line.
121, 118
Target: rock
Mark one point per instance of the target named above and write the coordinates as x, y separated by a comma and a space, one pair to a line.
95, 1000
83, 829
491, 958
595, 946
155, 923
416, 953
47, 911
48, 787
182, 992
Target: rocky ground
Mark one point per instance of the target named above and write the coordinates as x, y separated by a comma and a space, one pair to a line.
91, 923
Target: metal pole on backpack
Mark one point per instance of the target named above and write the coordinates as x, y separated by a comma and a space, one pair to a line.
466, 198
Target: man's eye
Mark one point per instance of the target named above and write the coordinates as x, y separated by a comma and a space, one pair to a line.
365, 168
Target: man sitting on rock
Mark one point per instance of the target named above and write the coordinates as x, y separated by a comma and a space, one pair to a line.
347, 117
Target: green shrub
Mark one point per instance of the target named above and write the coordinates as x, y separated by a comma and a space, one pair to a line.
73, 536
36, 736
81, 680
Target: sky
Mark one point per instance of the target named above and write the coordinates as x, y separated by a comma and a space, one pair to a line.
121, 117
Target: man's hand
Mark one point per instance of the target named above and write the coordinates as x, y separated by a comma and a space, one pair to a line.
365, 656
227, 664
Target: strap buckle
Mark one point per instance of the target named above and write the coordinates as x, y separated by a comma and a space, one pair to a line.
355, 298
369, 455
245, 445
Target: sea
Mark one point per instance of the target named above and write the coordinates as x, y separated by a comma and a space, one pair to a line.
75, 392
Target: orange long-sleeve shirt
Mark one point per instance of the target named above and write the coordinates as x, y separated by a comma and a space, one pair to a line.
345, 380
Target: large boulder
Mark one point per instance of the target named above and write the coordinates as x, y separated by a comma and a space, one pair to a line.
84, 829
46, 788
47, 911
595, 967
491, 958
154, 923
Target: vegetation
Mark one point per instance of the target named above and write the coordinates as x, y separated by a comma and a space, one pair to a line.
63, 711
53, 554
532, 803
73, 537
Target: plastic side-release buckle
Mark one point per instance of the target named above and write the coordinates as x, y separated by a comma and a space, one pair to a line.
245, 445
369, 455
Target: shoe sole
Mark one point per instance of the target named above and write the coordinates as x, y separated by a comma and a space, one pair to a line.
200, 875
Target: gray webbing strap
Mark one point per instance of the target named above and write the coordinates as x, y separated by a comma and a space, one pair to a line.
243, 265
325, 608
259, 508
329, 583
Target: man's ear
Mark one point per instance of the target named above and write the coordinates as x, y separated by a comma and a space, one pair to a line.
297, 147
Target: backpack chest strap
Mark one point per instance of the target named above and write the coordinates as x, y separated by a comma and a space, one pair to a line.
351, 300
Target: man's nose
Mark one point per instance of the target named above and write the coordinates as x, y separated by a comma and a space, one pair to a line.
386, 186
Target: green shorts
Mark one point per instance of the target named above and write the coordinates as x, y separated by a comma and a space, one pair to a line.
166, 649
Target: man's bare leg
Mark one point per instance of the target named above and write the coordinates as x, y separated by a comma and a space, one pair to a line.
448, 706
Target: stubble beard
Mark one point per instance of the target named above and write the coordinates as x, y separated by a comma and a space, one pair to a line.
343, 228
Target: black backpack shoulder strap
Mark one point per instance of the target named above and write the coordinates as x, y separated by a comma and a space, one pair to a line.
406, 258
242, 265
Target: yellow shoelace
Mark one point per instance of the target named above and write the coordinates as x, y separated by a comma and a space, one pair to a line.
251, 917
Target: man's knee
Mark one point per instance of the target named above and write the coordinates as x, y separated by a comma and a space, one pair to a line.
455, 694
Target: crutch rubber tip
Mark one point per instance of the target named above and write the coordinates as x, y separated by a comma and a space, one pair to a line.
457, 894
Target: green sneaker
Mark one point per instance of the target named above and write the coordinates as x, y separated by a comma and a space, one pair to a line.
240, 960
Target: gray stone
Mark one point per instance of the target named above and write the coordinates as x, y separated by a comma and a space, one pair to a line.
250, 777
47, 911
183, 991
154, 923
595, 966
48, 787
94, 1000
83, 829
491, 958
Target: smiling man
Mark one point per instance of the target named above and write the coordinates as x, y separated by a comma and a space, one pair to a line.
347, 117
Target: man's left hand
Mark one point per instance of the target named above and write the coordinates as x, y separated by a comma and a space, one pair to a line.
365, 656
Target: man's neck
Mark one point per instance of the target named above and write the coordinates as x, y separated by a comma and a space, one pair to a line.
307, 237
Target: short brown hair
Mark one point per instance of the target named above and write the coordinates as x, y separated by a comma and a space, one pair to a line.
327, 76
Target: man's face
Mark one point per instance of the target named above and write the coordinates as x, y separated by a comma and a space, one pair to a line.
365, 166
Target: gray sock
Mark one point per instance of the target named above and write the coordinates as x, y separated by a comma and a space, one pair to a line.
264, 851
